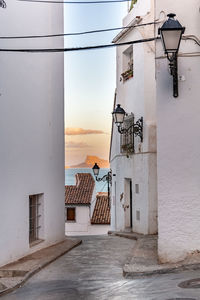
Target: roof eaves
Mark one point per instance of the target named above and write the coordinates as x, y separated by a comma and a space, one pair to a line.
100, 223
111, 138
124, 31
77, 204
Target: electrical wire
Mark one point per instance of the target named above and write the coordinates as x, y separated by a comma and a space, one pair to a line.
79, 48
76, 2
74, 33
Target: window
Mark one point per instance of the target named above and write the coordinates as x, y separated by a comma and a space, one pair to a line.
127, 64
127, 138
71, 214
35, 217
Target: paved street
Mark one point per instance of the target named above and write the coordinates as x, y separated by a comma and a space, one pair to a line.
94, 271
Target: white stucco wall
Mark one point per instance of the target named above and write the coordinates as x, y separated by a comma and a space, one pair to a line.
82, 225
31, 128
136, 95
179, 141
98, 229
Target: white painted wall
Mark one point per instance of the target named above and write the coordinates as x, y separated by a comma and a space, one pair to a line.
82, 226
179, 141
31, 127
98, 229
137, 95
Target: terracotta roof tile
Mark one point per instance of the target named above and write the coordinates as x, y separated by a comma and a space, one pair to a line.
81, 193
101, 214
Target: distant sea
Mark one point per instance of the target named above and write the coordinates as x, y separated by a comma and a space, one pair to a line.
101, 186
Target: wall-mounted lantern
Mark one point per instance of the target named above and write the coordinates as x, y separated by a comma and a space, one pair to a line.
107, 177
2, 4
171, 33
119, 114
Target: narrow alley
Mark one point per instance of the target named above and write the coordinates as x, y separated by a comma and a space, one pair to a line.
94, 271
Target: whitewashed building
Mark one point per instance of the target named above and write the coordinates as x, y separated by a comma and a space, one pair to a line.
31, 132
86, 212
134, 192
178, 139
149, 93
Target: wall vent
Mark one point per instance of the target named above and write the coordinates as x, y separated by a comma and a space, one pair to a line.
137, 188
137, 215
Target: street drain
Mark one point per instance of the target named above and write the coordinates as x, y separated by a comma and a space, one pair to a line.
190, 284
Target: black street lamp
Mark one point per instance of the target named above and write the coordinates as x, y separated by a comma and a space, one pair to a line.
107, 177
119, 115
171, 33
2, 4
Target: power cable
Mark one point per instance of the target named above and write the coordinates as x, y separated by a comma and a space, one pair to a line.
79, 48
74, 33
75, 2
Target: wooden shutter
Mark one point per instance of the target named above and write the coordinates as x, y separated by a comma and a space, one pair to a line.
71, 214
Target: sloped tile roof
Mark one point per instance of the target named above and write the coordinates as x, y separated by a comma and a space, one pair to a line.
81, 193
101, 214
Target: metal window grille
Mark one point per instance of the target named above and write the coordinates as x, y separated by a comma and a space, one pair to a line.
34, 216
127, 138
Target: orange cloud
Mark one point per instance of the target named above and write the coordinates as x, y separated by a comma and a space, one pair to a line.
81, 131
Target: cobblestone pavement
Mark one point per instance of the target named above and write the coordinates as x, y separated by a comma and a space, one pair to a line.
94, 271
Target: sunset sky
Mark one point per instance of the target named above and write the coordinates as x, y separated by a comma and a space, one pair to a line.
89, 80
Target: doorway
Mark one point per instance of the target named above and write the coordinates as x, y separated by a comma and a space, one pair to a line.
128, 205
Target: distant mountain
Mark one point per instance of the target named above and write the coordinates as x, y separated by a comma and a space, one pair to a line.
90, 161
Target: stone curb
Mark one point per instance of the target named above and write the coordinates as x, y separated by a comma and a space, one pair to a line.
155, 270
37, 269
133, 275
127, 236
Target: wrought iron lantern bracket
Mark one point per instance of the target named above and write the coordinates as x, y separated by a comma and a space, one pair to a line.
107, 177
173, 66
137, 129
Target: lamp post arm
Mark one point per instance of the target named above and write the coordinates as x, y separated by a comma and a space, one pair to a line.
102, 178
137, 128
173, 65
107, 177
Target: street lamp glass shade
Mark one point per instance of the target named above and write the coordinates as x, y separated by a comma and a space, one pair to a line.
119, 114
171, 33
96, 169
